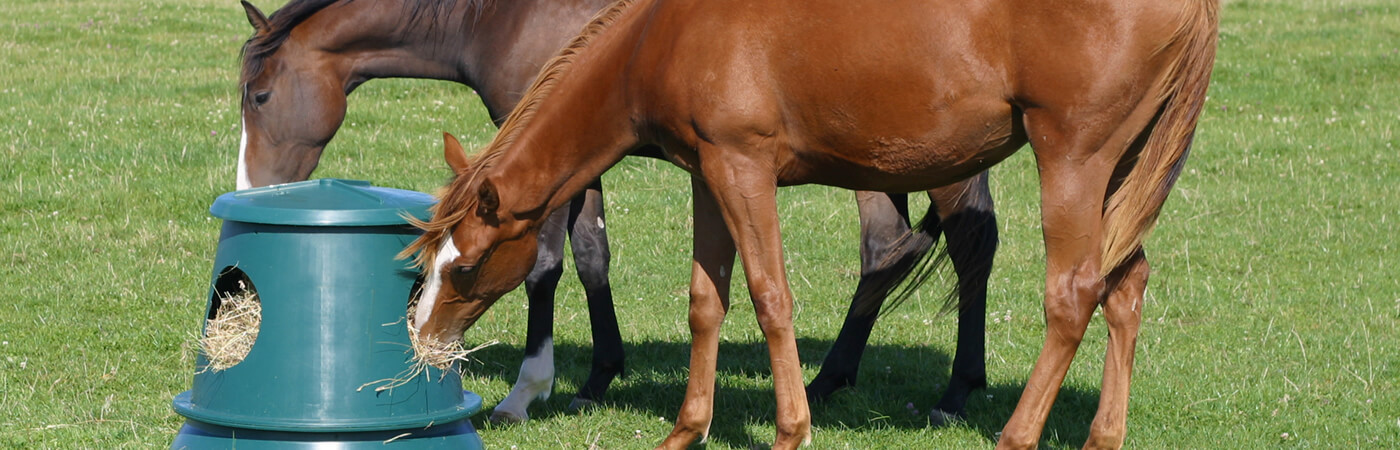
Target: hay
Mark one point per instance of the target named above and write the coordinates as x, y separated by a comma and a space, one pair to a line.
231, 333
430, 352
426, 352
229, 336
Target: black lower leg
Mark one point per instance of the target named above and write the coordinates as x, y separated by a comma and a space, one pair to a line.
542, 282
972, 241
842, 362
589, 240
884, 219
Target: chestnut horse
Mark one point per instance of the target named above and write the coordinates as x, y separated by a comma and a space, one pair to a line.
305, 59
883, 95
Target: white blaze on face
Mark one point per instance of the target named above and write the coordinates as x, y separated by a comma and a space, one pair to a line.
433, 284
243, 181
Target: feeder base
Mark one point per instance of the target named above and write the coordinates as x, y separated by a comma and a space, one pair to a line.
198, 435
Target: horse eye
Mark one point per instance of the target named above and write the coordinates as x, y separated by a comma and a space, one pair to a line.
463, 277
260, 98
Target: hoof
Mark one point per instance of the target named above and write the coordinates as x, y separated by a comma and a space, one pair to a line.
507, 418
580, 405
822, 389
938, 418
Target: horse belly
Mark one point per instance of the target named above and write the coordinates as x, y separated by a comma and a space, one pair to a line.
934, 150
923, 122
903, 97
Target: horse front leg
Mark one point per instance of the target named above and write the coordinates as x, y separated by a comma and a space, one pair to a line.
536, 379
746, 193
710, 274
589, 240
884, 218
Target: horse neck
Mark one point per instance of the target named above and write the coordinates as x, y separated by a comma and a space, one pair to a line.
368, 40
511, 40
571, 146
493, 46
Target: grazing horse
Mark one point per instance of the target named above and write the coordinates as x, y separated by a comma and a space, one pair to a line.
881, 95
305, 59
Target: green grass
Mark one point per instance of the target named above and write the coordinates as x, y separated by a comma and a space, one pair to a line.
1271, 313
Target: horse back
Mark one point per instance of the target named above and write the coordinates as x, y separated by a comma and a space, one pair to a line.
841, 88
882, 94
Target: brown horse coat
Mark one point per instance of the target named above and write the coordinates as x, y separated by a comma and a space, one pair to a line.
887, 95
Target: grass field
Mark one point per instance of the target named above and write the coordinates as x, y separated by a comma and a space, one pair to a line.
1271, 318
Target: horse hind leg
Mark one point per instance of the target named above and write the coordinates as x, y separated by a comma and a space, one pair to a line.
883, 219
1123, 313
970, 229
964, 214
1074, 181
589, 241
536, 379
1073, 288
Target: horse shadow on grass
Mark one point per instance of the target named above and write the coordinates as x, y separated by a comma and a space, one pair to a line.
896, 387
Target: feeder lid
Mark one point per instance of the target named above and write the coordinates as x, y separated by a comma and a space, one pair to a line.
323, 202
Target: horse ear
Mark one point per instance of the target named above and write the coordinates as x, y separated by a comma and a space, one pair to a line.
456, 156
487, 198
255, 17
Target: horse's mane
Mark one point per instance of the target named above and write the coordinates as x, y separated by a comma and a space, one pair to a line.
262, 45
281, 22
457, 199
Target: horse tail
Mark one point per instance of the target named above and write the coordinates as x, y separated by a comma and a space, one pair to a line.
1131, 210
909, 262
970, 241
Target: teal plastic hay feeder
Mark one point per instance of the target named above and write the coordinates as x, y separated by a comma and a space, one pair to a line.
321, 257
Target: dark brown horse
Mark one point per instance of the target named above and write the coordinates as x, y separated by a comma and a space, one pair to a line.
884, 95
306, 58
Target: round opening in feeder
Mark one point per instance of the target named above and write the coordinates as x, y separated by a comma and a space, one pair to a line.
231, 327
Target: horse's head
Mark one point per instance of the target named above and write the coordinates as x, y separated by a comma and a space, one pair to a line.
292, 104
473, 252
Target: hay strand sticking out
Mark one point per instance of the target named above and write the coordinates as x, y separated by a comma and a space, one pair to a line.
231, 333
426, 352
